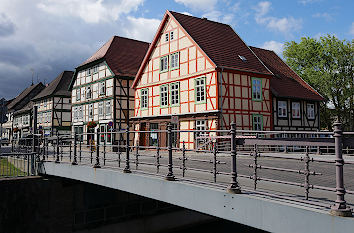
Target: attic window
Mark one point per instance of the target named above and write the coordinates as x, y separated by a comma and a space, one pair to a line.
242, 58
166, 37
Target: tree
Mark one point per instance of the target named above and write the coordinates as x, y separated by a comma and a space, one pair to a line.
327, 65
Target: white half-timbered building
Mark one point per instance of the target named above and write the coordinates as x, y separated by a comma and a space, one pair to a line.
101, 88
54, 106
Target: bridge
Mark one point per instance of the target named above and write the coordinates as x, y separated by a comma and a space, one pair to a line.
256, 179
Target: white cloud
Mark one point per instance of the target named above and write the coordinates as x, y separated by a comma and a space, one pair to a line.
284, 25
7, 27
277, 47
351, 31
91, 11
199, 5
186, 13
324, 15
141, 28
219, 17
305, 2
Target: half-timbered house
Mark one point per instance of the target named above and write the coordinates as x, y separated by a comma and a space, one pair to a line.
296, 105
203, 75
101, 88
20, 112
54, 106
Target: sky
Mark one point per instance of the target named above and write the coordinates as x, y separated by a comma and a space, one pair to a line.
41, 38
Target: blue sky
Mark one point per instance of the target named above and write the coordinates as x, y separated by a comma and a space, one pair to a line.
44, 37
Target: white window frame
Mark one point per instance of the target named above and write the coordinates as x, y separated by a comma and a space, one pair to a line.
75, 113
296, 110
174, 61
100, 109
88, 92
171, 35
164, 64
78, 94
108, 108
257, 122
164, 95
80, 112
200, 90
95, 69
256, 89
90, 111
282, 108
144, 98
167, 37
174, 92
310, 107
102, 89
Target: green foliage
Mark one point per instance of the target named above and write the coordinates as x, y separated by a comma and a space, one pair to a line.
327, 65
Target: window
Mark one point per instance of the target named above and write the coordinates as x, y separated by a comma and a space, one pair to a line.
295, 109
100, 108
88, 72
105, 133
282, 108
164, 64
144, 98
78, 94
257, 122
242, 58
90, 112
174, 61
163, 96
256, 89
310, 111
200, 90
80, 112
153, 136
174, 94
95, 69
108, 108
166, 37
79, 132
88, 92
45, 103
49, 117
75, 113
102, 88
200, 125
171, 35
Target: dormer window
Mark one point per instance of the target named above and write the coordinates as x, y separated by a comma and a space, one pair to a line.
88, 72
166, 37
95, 69
242, 58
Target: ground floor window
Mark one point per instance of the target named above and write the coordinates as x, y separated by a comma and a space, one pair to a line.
200, 135
79, 130
174, 128
154, 135
105, 133
257, 122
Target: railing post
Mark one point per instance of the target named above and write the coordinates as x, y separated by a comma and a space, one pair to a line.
119, 153
97, 165
183, 159
75, 150
127, 165
104, 149
158, 156
215, 160
255, 166
137, 156
70, 150
339, 208
307, 173
80, 147
169, 176
57, 159
233, 187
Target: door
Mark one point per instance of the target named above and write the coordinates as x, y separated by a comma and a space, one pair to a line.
142, 138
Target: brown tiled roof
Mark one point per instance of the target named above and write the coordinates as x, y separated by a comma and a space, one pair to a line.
123, 55
286, 82
59, 86
31, 89
220, 42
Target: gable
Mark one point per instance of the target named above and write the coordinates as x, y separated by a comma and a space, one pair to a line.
192, 59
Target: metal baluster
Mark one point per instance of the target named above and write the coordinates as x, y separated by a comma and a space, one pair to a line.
127, 165
157, 156
339, 208
255, 167
57, 160
61, 150
183, 158
104, 151
70, 150
170, 176
97, 165
80, 141
214, 161
137, 156
307, 172
119, 153
233, 187
75, 150
91, 149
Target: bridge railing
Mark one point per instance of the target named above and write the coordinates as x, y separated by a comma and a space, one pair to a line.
229, 159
